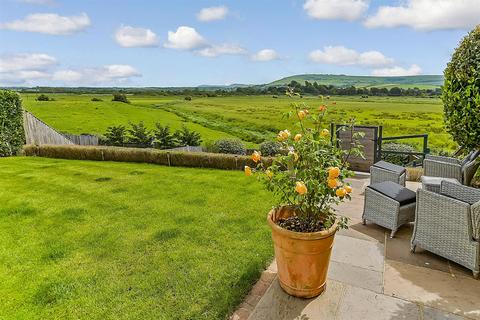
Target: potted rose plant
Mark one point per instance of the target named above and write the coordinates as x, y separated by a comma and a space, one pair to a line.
308, 179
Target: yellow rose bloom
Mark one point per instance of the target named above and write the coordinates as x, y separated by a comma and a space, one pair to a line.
283, 135
297, 137
256, 156
349, 189
300, 188
248, 171
294, 154
341, 192
301, 114
333, 172
325, 133
332, 183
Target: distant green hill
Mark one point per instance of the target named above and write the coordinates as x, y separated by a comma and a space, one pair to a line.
422, 82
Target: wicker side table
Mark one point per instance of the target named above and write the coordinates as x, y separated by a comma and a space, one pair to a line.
384, 171
433, 183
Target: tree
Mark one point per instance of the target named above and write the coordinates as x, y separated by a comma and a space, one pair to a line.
164, 139
187, 137
461, 92
120, 97
116, 135
43, 97
139, 135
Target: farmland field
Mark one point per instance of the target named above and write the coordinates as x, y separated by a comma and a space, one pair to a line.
100, 240
250, 118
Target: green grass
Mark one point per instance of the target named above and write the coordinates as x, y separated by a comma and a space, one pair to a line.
94, 240
250, 118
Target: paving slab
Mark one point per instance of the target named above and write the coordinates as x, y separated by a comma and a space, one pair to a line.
359, 303
435, 314
360, 253
371, 232
277, 305
433, 288
356, 276
398, 249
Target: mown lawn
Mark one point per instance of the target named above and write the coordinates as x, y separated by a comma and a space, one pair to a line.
99, 240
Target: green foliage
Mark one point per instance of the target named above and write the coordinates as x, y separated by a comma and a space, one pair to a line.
164, 139
139, 135
116, 135
461, 92
188, 98
44, 97
95, 99
400, 159
187, 137
229, 146
120, 97
12, 136
270, 148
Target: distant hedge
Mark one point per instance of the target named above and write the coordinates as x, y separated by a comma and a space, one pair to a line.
12, 136
177, 159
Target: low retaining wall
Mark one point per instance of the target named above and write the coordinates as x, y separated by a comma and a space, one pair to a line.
162, 157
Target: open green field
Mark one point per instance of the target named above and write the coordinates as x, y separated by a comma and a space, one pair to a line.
96, 240
250, 118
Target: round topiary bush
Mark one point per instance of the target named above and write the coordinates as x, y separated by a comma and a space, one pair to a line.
270, 148
232, 146
461, 92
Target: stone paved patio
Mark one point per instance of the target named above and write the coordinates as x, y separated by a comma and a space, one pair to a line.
373, 277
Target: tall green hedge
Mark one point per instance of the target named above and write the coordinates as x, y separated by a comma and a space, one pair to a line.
461, 92
12, 136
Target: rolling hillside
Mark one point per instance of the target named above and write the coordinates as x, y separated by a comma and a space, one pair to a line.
422, 82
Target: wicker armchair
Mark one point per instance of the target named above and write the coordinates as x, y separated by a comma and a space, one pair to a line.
448, 224
445, 167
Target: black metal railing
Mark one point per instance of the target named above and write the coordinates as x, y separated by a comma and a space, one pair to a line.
418, 157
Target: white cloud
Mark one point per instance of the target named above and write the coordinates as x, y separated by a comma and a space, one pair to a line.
185, 38
265, 55
341, 55
23, 76
222, 49
398, 71
26, 61
336, 9
212, 13
128, 36
427, 15
49, 23
67, 76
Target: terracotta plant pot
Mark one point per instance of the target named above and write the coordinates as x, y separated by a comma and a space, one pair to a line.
302, 258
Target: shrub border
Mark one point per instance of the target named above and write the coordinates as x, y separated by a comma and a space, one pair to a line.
143, 155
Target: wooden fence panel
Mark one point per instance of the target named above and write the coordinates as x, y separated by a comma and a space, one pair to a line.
82, 139
37, 132
369, 143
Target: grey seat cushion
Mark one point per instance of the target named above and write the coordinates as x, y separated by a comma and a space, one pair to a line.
390, 167
426, 180
394, 191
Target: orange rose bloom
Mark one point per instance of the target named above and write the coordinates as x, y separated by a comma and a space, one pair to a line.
332, 183
341, 192
322, 108
256, 156
333, 172
248, 171
300, 188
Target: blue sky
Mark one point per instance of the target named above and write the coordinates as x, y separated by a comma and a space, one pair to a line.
127, 43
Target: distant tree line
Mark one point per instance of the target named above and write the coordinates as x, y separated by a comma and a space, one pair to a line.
307, 89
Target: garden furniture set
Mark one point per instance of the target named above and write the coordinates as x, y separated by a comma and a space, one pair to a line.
445, 210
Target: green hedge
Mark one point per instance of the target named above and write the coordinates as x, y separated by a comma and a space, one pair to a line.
12, 136
177, 159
